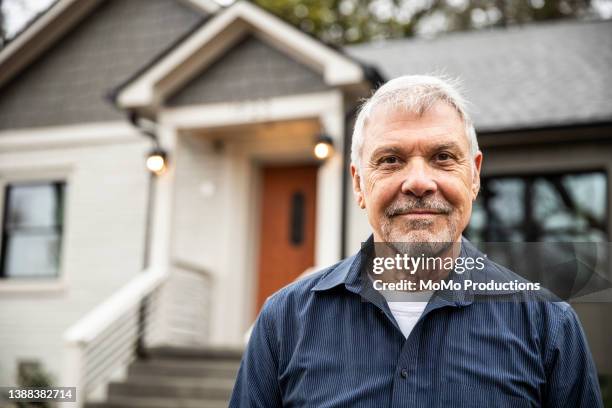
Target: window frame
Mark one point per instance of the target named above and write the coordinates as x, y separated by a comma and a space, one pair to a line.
39, 174
59, 229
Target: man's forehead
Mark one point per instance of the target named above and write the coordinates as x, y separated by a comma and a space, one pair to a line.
441, 124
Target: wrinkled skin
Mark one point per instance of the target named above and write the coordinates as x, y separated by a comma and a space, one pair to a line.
417, 179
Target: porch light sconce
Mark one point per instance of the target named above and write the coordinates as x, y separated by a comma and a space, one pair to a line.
324, 146
157, 161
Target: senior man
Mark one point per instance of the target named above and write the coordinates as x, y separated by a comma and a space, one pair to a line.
330, 340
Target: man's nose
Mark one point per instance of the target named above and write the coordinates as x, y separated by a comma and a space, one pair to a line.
418, 179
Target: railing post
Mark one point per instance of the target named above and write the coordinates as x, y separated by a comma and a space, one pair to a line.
141, 351
73, 372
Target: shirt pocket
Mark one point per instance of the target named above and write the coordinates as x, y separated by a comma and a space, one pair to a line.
469, 396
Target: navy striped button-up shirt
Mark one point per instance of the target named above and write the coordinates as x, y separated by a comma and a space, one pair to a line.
328, 341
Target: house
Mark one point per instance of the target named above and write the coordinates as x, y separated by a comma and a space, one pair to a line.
96, 248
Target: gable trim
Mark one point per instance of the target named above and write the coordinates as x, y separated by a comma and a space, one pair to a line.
279, 108
69, 136
205, 6
222, 32
41, 34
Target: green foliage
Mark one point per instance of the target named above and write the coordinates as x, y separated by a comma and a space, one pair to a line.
32, 375
352, 21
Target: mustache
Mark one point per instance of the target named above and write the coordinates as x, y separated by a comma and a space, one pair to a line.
403, 206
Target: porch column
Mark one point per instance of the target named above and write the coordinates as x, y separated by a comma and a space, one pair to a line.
161, 218
329, 184
160, 230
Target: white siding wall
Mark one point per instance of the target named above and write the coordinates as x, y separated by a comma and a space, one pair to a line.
211, 221
199, 209
103, 245
198, 223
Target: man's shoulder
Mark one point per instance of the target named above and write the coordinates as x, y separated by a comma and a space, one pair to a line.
303, 286
540, 306
299, 292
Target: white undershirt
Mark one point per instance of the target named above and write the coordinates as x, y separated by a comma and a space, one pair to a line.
408, 311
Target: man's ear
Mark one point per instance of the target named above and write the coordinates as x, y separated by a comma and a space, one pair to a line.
476, 175
357, 192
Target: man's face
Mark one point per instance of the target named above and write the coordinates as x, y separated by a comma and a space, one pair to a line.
418, 178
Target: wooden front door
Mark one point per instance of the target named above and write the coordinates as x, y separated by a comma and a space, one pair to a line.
287, 228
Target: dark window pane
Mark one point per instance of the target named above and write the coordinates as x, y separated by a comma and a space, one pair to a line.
30, 255
572, 208
506, 202
33, 206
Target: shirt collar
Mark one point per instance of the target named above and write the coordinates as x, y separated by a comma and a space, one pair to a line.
348, 272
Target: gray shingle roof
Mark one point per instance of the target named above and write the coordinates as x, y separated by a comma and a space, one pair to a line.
533, 76
68, 84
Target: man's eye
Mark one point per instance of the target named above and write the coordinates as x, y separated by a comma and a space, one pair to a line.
443, 156
389, 160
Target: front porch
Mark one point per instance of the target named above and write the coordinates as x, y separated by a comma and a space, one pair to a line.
207, 208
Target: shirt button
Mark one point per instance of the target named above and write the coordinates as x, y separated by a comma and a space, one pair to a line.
404, 373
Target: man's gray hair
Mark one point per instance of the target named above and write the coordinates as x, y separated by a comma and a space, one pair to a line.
415, 94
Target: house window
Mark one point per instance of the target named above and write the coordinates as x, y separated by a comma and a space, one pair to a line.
32, 230
568, 207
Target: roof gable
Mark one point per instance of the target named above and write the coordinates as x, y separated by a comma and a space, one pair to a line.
250, 70
222, 32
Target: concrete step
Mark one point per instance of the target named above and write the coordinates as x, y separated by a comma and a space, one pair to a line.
214, 382
206, 388
195, 353
185, 368
142, 402
177, 377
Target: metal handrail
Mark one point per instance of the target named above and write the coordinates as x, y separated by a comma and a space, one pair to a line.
103, 330
191, 267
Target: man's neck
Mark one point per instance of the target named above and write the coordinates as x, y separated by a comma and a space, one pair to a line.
413, 263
